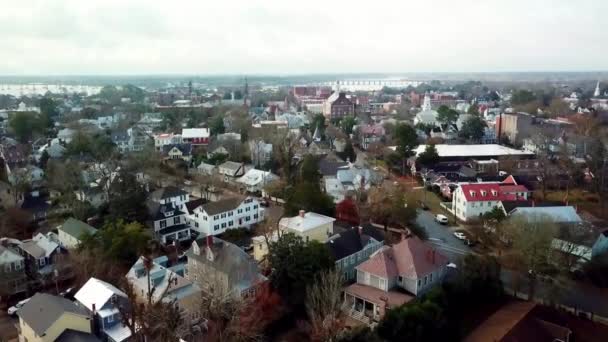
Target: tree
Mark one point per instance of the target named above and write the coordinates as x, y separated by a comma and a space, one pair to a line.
349, 153
473, 129
481, 275
596, 162
429, 157
295, 264
48, 107
216, 125
347, 124
24, 125
126, 197
406, 138
309, 171
473, 109
532, 238
447, 116
307, 196
118, 242
318, 121
522, 96
392, 206
324, 305
422, 320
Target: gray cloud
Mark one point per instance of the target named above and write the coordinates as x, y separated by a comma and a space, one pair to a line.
275, 36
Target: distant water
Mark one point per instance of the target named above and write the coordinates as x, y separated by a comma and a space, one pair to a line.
41, 89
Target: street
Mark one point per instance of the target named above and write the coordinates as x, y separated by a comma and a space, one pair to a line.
442, 237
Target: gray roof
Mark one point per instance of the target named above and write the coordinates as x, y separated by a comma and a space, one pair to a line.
561, 214
77, 228
231, 165
41, 312
32, 248
221, 206
242, 271
76, 336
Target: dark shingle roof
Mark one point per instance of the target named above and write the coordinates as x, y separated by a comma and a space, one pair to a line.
186, 149
348, 243
166, 192
76, 336
43, 310
195, 204
227, 204
157, 211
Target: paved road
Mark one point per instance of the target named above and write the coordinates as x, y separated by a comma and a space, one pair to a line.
442, 237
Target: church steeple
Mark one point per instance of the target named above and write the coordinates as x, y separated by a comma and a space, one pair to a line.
597, 90
426, 104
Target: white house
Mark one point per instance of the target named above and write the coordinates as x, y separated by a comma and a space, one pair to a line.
309, 225
231, 170
255, 180
471, 201
71, 231
163, 139
216, 217
168, 214
195, 136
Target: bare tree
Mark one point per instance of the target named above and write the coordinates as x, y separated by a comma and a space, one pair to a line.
324, 305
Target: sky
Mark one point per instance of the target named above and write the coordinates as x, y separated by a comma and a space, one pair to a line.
202, 37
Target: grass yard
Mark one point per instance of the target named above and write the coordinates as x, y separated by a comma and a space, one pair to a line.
432, 200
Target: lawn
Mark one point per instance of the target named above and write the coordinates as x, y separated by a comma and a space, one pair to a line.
432, 200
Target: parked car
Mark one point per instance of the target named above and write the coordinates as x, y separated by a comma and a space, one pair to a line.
460, 236
423, 206
12, 311
264, 203
441, 219
470, 243
67, 293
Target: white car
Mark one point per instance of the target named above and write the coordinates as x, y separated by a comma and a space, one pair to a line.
460, 236
441, 219
13, 309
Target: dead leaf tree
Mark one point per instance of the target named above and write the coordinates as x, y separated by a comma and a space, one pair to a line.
324, 305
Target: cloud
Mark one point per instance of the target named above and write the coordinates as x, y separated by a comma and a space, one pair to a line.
283, 37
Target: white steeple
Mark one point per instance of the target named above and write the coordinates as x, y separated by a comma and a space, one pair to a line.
597, 90
426, 104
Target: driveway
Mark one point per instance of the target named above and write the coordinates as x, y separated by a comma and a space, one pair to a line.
442, 237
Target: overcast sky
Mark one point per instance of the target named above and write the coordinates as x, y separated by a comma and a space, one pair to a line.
68, 37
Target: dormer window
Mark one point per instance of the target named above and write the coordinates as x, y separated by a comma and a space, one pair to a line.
483, 193
472, 193
494, 193
168, 213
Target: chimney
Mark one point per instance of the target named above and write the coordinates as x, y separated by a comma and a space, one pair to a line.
209, 240
302, 212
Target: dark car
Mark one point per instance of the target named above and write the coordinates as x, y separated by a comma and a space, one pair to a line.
423, 206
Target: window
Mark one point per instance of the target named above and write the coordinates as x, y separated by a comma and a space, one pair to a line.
419, 282
231, 223
247, 209
196, 224
400, 279
110, 318
230, 213
216, 227
247, 218
196, 215
176, 220
431, 278
163, 223
240, 211
223, 215
224, 225
255, 216
215, 217
205, 217
424, 280
255, 206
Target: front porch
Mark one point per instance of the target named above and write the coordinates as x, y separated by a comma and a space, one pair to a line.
368, 304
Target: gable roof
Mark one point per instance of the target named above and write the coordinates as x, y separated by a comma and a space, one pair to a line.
76, 228
560, 214
8, 255
221, 206
32, 248
185, 149
97, 292
166, 192
309, 221
242, 271
43, 310
191, 205
410, 258
476, 192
